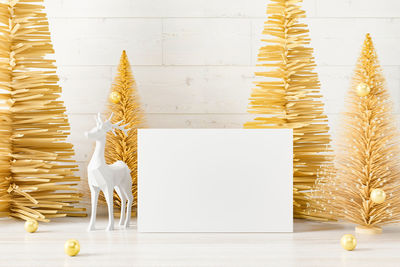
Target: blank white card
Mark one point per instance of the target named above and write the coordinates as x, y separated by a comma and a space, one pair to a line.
215, 180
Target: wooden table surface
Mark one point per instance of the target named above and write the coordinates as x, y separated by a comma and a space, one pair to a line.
312, 244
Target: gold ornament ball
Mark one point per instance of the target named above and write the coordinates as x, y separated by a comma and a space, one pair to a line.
31, 226
115, 97
363, 89
72, 247
378, 196
348, 242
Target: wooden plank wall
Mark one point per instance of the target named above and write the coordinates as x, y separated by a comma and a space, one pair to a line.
193, 60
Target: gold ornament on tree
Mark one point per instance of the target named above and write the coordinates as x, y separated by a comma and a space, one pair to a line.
362, 89
287, 95
124, 146
378, 196
115, 97
37, 179
348, 242
367, 167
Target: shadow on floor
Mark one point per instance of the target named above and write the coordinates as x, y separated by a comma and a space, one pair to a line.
312, 226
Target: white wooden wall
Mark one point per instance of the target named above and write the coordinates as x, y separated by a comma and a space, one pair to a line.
193, 59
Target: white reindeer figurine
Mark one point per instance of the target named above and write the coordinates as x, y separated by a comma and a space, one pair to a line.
106, 178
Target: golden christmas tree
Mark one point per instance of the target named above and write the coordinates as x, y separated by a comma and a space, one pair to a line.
37, 178
287, 96
364, 186
124, 104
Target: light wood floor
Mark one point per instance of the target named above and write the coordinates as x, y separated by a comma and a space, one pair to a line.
312, 244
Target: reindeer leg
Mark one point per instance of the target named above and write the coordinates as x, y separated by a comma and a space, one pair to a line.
123, 204
108, 193
94, 191
129, 208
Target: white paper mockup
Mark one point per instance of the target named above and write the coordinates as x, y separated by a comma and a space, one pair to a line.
215, 180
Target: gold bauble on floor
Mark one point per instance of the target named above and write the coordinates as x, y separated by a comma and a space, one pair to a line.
348, 242
31, 226
373, 230
72, 247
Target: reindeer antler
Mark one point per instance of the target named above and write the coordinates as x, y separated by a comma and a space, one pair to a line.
117, 125
120, 127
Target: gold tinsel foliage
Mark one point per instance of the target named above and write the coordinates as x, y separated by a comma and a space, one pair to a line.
364, 186
127, 108
287, 95
37, 179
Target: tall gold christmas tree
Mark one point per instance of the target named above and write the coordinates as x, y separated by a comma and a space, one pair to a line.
37, 178
287, 96
124, 104
364, 186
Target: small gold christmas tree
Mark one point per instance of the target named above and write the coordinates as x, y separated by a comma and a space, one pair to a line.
124, 104
364, 186
37, 178
287, 96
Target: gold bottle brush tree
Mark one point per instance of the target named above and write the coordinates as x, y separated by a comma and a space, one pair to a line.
287, 95
125, 105
37, 172
364, 186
